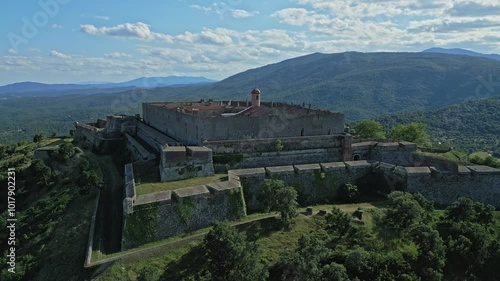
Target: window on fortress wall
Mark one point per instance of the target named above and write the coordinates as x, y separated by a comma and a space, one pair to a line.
302, 132
356, 157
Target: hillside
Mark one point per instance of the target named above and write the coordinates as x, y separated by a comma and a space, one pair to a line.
473, 124
30, 89
461, 52
363, 85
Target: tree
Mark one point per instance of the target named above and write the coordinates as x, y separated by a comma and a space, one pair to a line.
38, 138
349, 192
467, 249
66, 150
72, 132
334, 272
228, 256
413, 132
278, 197
431, 257
338, 222
41, 172
89, 179
370, 129
467, 210
53, 135
359, 264
304, 263
403, 210
149, 273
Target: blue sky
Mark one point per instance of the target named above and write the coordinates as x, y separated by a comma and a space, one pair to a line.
66, 41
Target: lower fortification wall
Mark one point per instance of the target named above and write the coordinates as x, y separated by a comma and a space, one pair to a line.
320, 183
476, 182
225, 162
160, 215
92, 136
315, 183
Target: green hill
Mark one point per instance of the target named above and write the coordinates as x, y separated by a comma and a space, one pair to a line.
472, 125
363, 85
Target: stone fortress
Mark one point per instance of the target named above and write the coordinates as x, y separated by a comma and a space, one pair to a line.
251, 141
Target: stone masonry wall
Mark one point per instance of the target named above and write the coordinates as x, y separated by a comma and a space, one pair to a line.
315, 183
194, 131
479, 183
160, 215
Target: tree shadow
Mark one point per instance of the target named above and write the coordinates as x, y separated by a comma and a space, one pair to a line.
187, 267
261, 228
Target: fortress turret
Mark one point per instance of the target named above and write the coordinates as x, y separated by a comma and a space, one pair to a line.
256, 97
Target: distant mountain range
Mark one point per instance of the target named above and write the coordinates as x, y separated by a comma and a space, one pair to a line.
461, 52
362, 85
41, 89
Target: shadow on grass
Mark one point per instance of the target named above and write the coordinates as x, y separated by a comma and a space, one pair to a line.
261, 228
187, 267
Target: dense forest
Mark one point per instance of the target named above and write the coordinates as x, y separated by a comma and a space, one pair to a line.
473, 125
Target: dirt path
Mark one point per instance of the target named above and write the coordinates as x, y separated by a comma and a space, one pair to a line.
109, 225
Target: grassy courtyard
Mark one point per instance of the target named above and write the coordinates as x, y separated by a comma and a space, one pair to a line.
146, 188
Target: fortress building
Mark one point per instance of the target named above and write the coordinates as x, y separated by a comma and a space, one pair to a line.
251, 141
194, 123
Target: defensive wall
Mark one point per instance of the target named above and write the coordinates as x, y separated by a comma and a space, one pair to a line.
399, 153
236, 154
480, 183
181, 162
278, 120
94, 137
156, 216
159, 215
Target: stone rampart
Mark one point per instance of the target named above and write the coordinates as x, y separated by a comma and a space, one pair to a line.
160, 215
179, 162
155, 139
269, 145
139, 153
479, 183
130, 194
315, 183
423, 160
398, 153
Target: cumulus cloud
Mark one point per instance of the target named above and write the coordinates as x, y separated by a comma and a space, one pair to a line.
59, 55
117, 55
468, 8
56, 26
213, 9
12, 51
238, 13
137, 30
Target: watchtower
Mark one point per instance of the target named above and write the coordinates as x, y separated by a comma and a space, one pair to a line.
255, 97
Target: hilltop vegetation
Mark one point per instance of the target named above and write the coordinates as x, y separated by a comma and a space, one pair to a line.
363, 85
472, 125
54, 203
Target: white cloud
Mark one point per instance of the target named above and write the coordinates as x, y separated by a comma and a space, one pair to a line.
117, 55
238, 13
102, 17
137, 30
215, 8
56, 26
12, 51
59, 55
